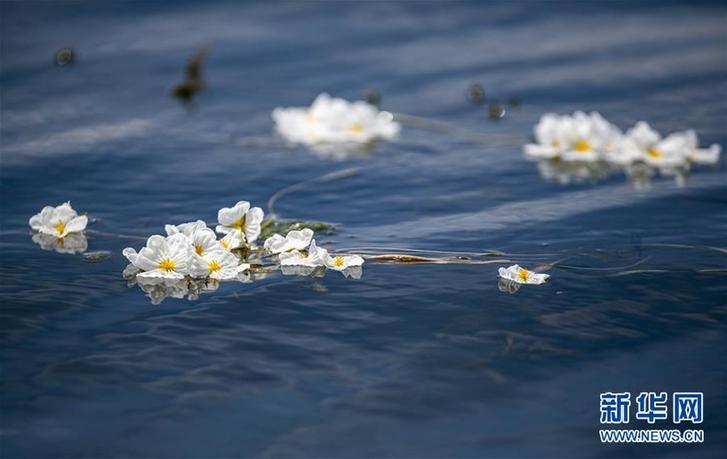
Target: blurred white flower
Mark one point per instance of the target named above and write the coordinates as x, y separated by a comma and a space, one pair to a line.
580, 137
216, 264
522, 276
166, 258
547, 140
332, 120
643, 144
71, 243
294, 240
58, 221
241, 219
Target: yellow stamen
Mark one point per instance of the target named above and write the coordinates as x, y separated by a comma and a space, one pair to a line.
198, 248
60, 227
224, 244
240, 223
654, 153
302, 255
582, 146
214, 265
523, 274
554, 143
356, 128
167, 265
338, 262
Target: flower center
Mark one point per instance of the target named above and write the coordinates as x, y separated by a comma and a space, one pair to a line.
338, 262
654, 153
554, 143
214, 265
224, 244
167, 265
523, 274
582, 146
240, 223
198, 248
356, 128
60, 227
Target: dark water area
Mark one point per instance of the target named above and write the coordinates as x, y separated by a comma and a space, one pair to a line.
408, 361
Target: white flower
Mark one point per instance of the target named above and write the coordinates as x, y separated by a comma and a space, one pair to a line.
217, 265
310, 258
232, 240
295, 240
580, 137
58, 221
71, 243
204, 240
188, 229
335, 121
241, 219
339, 262
642, 143
547, 144
522, 276
166, 258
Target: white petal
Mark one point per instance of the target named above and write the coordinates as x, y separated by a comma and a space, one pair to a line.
275, 244
227, 216
130, 254
77, 224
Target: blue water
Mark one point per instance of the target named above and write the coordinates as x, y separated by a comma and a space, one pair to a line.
410, 360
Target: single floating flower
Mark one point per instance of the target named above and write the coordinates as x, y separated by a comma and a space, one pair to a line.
580, 137
340, 262
643, 144
165, 258
522, 276
294, 240
335, 121
58, 221
241, 219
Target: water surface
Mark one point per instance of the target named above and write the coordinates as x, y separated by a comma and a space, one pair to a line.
408, 361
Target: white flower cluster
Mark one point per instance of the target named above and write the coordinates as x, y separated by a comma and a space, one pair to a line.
192, 249
333, 125
60, 228
298, 254
190, 260
578, 143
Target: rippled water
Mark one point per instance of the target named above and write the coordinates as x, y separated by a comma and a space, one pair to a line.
408, 361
